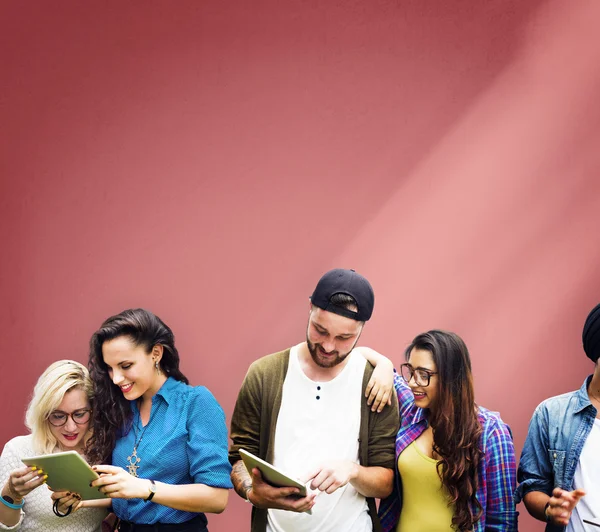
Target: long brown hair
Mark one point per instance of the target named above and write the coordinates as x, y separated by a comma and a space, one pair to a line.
455, 425
112, 416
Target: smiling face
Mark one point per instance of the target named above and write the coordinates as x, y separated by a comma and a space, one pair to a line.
132, 369
70, 436
425, 396
330, 337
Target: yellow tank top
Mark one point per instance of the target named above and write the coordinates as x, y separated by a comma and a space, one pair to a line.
424, 501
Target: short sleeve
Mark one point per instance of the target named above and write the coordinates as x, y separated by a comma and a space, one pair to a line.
207, 440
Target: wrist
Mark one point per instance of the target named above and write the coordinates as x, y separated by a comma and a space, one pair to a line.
150, 490
11, 503
247, 492
12, 493
547, 516
354, 471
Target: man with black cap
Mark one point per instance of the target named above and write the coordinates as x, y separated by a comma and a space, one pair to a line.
559, 470
304, 410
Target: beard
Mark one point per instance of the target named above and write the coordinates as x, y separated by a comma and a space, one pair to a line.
330, 360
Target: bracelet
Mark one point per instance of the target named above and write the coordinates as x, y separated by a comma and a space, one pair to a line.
57, 513
246, 498
9, 501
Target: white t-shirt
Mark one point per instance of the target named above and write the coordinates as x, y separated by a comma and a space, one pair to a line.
319, 423
37, 514
587, 477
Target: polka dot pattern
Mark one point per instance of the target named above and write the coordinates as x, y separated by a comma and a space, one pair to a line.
185, 442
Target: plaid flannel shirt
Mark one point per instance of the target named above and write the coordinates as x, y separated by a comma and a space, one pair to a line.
497, 471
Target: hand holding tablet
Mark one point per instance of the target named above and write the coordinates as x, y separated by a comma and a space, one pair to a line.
270, 473
67, 471
279, 490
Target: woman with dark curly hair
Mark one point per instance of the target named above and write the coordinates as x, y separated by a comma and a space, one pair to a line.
456, 466
166, 441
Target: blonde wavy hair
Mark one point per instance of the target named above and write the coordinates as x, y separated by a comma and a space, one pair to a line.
58, 379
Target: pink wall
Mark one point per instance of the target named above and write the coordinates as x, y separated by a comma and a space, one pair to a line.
209, 160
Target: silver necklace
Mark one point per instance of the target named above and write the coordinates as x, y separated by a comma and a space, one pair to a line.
133, 458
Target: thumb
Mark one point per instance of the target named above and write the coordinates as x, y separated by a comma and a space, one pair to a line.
256, 475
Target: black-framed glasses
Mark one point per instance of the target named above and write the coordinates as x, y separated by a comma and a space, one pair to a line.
422, 376
80, 417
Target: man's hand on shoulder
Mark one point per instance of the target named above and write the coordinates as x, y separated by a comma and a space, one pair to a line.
380, 388
333, 476
263, 495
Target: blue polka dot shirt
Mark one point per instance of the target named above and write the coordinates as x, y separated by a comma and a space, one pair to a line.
185, 442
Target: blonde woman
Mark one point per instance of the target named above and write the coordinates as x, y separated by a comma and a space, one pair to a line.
58, 418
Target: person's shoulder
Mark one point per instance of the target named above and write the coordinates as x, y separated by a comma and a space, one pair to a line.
201, 399
492, 423
562, 400
489, 418
22, 445
496, 434
190, 392
406, 399
177, 393
270, 362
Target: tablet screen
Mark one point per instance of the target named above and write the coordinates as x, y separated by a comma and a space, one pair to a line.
67, 471
270, 473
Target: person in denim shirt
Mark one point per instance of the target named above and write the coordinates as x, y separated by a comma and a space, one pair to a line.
560, 462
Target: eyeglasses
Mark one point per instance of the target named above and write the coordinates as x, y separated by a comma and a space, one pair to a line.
58, 418
421, 376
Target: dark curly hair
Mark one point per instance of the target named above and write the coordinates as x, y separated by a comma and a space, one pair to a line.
112, 414
455, 424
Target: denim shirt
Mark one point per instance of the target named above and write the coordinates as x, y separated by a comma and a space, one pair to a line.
557, 432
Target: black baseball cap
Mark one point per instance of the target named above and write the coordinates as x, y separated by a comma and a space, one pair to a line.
340, 281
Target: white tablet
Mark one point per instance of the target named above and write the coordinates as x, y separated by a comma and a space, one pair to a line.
67, 471
270, 473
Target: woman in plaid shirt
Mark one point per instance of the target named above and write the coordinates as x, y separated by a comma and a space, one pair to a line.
456, 467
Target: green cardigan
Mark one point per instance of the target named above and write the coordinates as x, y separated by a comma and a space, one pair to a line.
255, 415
